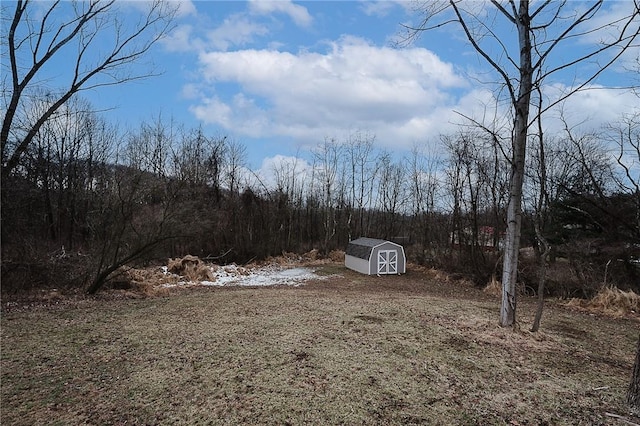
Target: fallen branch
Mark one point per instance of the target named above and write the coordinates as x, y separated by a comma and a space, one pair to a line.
218, 257
621, 418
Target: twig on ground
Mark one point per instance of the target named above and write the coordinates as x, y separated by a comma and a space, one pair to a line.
218, 257
621, 418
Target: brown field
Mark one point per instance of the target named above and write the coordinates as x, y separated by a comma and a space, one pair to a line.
415, 349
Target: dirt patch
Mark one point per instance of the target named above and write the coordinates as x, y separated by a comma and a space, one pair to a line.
370, 319
569, 330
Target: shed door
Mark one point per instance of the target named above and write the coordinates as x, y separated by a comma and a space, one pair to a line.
388, 262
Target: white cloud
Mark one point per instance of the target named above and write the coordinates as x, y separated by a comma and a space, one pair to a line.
376, 8
299, 14
285, 171
403, 96
308, 95
182, 8
185, 8
381, 8
190, 91
591, 108
236, 30
212, 110
181, 39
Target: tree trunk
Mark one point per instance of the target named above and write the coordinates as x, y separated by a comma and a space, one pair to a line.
542, 277
633, 395
539, 218
514, 209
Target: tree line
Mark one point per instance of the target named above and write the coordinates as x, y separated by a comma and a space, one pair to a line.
87, 199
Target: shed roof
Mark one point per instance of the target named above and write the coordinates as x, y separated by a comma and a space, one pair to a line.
362, 247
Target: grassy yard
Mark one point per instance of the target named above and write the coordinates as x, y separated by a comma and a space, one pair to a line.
347, 350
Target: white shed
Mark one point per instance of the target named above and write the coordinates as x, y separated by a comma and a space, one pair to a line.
375, 257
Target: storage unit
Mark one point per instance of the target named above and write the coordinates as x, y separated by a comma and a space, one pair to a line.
372, 256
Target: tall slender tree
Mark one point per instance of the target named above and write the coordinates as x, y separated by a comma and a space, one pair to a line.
543, 33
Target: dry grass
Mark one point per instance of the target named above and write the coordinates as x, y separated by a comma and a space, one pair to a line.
336, 256
493, 288
610, 301
190, 267
350, 350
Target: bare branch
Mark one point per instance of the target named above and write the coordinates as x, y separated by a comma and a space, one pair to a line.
563, 36
509, 16
84, 28
484, 54
542, 7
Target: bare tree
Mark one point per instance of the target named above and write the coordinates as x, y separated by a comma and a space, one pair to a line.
473, 180
148, 149
542, 202
542, 30
391, 193
236, 161
289, 188
68, 139
361, 175
140, 209
625, 137
633, 394
136, 217
423, 193
326, 170
37, 40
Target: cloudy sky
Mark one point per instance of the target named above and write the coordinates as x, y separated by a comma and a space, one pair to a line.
281, 76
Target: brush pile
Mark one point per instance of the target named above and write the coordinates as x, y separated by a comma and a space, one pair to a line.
190, 267
610, 301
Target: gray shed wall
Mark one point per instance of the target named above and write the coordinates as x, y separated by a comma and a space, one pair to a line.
369, 265
357, 264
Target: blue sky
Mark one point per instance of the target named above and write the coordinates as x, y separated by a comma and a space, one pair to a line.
281, 76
